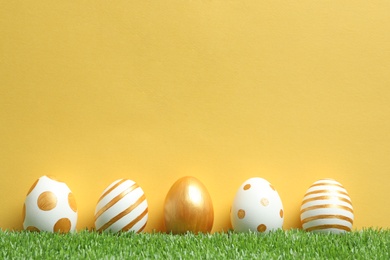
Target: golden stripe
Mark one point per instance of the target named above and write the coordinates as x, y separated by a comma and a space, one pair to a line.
328, 226
326, 191
123, 213
327, 206
327, 198
306, 220
111, 189
115, 200
327, 184
135, 221
143, 227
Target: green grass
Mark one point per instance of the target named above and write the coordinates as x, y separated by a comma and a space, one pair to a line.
292, 244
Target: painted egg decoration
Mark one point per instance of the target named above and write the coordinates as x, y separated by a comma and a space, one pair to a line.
122, 207
257, 207
50, 206
188, 207
327, 207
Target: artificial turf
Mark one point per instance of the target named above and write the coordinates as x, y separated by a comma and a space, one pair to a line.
292, 244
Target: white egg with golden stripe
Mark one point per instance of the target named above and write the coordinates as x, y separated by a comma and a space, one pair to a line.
50, 206
122, 207
327, 207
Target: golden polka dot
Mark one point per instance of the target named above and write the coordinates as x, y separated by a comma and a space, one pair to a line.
32, 229
72, 202
281, 213
63, 225
32, 187
241, 214
261, 228
47, 201
264, 202
53, 178
272, 187
247, 187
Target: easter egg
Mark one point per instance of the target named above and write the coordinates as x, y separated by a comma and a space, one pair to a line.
188, 207
257, 207
122, 207
49, 206
327, 207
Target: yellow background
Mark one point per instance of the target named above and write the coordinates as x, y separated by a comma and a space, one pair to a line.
291, 91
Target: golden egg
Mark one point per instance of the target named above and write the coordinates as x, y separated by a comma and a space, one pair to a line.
188, 207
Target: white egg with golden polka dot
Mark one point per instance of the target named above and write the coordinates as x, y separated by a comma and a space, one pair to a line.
50, 206
257, 207
122, 207
327, 207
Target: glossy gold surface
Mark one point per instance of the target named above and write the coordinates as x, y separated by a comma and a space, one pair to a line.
188, 207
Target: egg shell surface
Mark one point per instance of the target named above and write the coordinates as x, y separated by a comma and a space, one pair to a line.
188, 207
49, 206
257, 207
327, 207
122, 207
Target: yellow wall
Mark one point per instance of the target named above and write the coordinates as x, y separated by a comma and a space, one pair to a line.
291, 91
